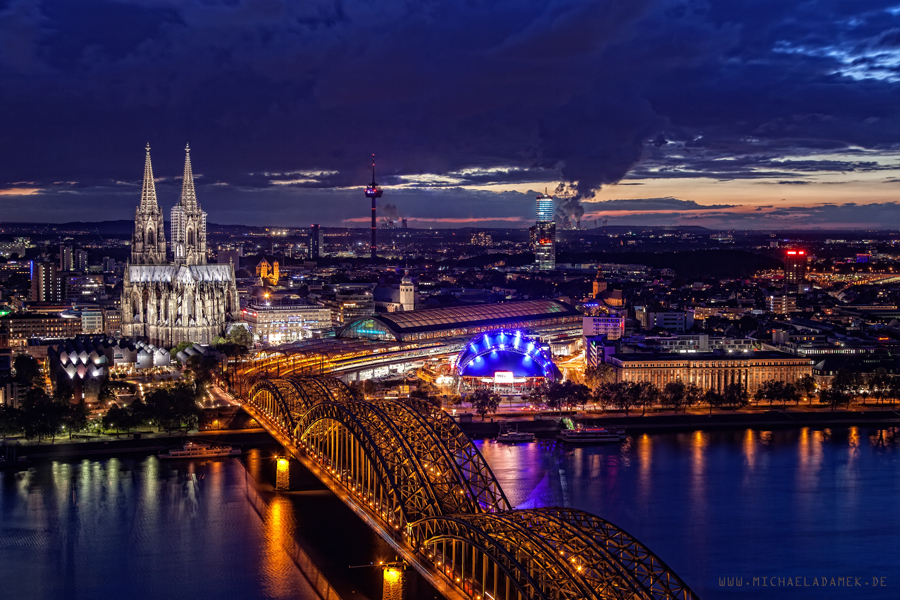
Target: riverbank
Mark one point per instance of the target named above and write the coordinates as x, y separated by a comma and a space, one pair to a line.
548, 425
140, 443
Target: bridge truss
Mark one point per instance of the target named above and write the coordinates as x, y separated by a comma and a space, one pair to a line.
414, 470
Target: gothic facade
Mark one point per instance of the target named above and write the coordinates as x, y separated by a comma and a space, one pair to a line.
185, 300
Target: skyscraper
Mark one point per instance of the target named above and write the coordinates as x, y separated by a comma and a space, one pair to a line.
545, 234
45, 283
65, 257
314, 242
81, 261
794, 269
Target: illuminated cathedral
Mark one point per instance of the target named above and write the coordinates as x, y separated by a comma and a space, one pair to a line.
185, 300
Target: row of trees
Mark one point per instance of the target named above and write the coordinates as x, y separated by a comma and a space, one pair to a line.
166, 408
42, 417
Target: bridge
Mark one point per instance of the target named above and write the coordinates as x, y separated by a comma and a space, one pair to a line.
409, 470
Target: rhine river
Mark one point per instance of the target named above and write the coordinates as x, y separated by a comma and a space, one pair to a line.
805, 506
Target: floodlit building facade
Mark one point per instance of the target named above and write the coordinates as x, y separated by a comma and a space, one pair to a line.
187, 300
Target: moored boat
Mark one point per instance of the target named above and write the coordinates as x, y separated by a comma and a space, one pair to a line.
513, 436
580, 434
200, 450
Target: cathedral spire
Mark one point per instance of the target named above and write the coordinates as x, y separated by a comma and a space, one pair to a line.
148, 193
188, 194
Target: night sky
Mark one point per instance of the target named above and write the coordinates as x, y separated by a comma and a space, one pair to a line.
722, 113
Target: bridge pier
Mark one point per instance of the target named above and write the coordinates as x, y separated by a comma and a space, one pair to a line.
394, 580
291, 476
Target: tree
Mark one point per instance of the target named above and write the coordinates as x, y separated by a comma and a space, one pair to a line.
735, 396
64, 389
693, 395
648, 395
834, 397
712, 398
596, 375
28, 371
578, 395
774, 391
847, 383
789, 393
41, 416
807, 385
113, 418
538, 395
879, 384
10, 420
484, 401
673, 395
75, 417
240, 336
182, 346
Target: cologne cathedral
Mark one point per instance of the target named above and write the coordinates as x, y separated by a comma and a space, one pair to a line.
185, 300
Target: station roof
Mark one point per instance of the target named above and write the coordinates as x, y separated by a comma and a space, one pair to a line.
479, 315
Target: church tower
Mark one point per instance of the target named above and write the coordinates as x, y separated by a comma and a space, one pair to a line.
188, 222
148, 244
599, 282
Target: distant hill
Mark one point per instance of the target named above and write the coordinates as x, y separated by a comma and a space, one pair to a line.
720, 264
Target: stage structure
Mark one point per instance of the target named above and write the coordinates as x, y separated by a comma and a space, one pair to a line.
506, 362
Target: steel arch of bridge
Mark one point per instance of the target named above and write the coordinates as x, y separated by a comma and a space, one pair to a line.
411, 466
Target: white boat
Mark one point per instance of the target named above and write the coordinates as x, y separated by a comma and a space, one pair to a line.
591, 435
199, 450
513, 436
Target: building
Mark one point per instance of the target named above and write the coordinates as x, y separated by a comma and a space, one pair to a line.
46, 285
82, 288
599, 285
795, 262
16, 329
92, 321
187, 300
407, 293
544, 235
230, 257
65, 258
267, 271
316, 242
456, 321
482, 238
284, 323
109, 265
672, 321
354, 304
610, 326
80, 261
711, 371
782, 305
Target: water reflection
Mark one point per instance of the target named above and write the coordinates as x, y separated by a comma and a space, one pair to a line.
783, 502
149, 529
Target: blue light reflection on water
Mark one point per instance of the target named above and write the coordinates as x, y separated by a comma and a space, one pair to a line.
792, 503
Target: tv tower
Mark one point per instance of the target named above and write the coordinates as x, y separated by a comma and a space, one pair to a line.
373, 192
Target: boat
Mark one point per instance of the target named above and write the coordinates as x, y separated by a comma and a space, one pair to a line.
513, 436
573, 434
200, 450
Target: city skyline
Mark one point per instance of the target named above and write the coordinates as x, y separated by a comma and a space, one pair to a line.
737, 116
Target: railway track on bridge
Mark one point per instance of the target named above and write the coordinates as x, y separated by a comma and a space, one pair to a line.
409, 471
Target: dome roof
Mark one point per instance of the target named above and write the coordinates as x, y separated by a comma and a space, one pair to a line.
503, 350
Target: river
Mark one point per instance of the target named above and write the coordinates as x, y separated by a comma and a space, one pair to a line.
721, 508
804, 506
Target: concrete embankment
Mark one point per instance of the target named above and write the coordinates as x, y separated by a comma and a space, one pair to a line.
547, 426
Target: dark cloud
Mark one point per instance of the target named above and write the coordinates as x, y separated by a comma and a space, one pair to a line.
286, 100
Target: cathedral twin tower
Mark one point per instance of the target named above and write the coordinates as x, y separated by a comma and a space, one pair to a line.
182, 300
